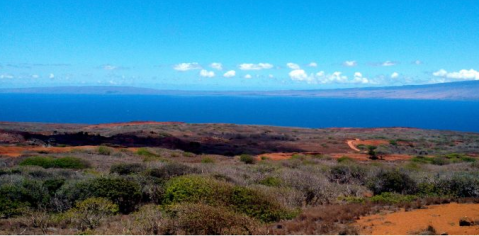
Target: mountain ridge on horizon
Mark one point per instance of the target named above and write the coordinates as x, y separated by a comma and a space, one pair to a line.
463, 90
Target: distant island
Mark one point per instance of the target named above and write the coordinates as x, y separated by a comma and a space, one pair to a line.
465, 90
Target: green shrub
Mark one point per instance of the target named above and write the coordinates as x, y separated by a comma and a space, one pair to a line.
193, 188
198, 189
345, 159
146, 153
440, 161
270, 181
52, 185
104, 150
247, 159
62, 162
257, 205
125, 193
171, 170
14, 199
392, 181
392, 198
393, 142
89, 213
207, 160
127, 168
201, 219
347, 174
421, 159
460, 185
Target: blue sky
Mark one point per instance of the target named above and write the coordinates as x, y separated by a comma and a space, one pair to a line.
237, 44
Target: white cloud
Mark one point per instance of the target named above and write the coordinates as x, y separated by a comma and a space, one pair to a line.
293, 66
298, 75
187, 66
417, 62
230, 74
460, 75
270, 76
216, 65
259, 66
207, 74
51, 76
335, 77
110, 67
394, 75
388, 63
35, 76
358, 78
6, 76
248, 76
313, 64
350, 63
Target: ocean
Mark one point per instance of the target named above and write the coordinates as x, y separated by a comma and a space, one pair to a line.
275, 111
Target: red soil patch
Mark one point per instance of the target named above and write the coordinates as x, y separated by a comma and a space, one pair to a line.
277, 156
444, 219
12, 151
110, 125
356, 156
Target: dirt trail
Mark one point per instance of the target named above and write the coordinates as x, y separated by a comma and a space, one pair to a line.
444, 219
352, 146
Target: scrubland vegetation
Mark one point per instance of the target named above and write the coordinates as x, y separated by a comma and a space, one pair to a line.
160, 191
224, 179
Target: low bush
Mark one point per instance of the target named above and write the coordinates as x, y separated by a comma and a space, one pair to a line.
125, 193
15, 199
104, 150
207, 160
52, 185
89, 213
459, 185
270, 181
347, 174
345, 159
171, 170
247, 159
201, 219
149, 220
392, 198
127, 169
62, 162
198, 189
392, 181
194, 188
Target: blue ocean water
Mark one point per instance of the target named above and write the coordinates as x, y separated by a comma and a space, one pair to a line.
276, 111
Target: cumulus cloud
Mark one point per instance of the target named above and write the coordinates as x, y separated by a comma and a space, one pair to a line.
350, 63
248, 76
394, 75
51, 76
417, 62
293, 66
270, 76
216, 65
187, 66
299, 75
358, 78
259, 66
313, 64
459, 75
388, 63
230, 74
207, 74
35, 76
